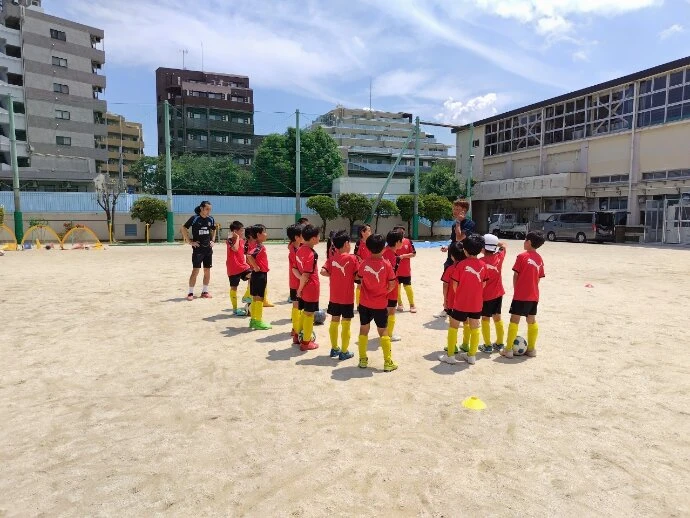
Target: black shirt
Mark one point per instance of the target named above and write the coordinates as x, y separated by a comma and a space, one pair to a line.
467, 227
201, 229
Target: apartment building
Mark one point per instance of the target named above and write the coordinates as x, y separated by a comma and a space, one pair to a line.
125, 146
370, 142
210, 113
52, 69
618, 145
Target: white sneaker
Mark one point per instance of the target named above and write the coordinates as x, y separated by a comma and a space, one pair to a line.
531, 353
469, 359
442, 314
395, 338
450, 360
506, 353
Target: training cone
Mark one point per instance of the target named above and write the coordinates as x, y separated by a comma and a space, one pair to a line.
474, 403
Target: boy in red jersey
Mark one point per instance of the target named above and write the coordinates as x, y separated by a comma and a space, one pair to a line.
378, 280
236, 264
258, 260
309, 286
405, 253
494, 254
362, 252
341, 268
294, 234
457, 255
394, 242
529, 269
469, 277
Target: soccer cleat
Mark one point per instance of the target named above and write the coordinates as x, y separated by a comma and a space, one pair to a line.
465, 348
289, 300
363, 362
251, 323
389, 366
345, 355
260, 325
239, 312
206, 295
531, 353
486, 348
413, 309
247, 300
506, 353
190, 296
395, 338
401, 308
308, 346
498, 347
335, 352
450, 360
267, 304
469, 359
441, 314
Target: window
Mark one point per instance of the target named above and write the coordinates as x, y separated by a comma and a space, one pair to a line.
63, 141
60, 89
62, 114
213, 95
130, 229
59, 62
220, 138
583, 217
215, 116
58, 35
475, 143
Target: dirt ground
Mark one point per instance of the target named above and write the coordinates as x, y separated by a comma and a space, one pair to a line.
119, 397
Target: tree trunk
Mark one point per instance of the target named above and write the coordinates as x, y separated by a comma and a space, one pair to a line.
408, 227
323, 229
376, 225
431, 229
352, 225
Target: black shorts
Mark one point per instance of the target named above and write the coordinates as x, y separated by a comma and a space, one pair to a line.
295, 298
523, 308
492, 307
407, 281
235, 279
341, 310
393, 303
257, 284
379, 316
461, 316
202, 255
309, 307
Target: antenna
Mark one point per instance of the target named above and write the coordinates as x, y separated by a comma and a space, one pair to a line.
202, 56
184, 51
369, 93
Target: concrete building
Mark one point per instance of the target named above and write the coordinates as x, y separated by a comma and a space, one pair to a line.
622, 144
210, 113
125, 146
370, 141
52, 69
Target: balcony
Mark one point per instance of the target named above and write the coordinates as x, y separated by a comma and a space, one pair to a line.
232, 149
548, 185
12, 65
364, 167
11, 36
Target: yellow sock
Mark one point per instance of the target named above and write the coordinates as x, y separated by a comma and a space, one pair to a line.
386, 348
258, 312
532, 333
233, 299
253, 310
333, 332
474, 341
345, 335
266, 302
466, 333
486, 331
307, 327
362, 344
391, 324
300, 321
295, 320
452, 340
410, 294
246, 293
512, 335
400, 301
357, 294
500, 333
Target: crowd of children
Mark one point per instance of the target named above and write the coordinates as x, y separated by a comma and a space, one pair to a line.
372, 279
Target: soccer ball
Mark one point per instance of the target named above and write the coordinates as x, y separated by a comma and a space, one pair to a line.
519, 346
300, 336
247, 309
319, 317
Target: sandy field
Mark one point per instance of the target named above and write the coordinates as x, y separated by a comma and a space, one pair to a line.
120, 398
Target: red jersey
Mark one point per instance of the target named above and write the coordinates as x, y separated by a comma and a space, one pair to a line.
236, 263
470, 275
342, 269
494, 283
530, 268
361, 250
307, 259
405, 268
375, 273
258, 252
293, 281
390, 256
447, 277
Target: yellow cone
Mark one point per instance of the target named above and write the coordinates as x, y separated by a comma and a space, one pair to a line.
474, 403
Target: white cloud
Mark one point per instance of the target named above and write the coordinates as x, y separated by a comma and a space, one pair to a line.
670, 31
463, 112
580, 55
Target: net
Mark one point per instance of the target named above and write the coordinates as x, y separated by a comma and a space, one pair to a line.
81, 238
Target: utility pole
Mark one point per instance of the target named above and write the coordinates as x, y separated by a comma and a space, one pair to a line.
18, 217
415, 212
298, 158
168, 173
470, 157
184, 51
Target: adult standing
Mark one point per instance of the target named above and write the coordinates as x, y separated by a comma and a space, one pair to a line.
203, 235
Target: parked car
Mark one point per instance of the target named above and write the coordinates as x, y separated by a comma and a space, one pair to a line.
506, 225
581, 226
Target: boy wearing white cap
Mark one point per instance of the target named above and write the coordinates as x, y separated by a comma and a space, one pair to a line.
494, 254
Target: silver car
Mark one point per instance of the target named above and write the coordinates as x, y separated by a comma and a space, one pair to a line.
580, 226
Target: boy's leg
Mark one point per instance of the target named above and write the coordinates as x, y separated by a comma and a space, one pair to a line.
357, 290
333, 333
388, 364
257, 314
500, 332
192, 280
362, 343
452, 341
266, 302
233, 297
295, 317
247, 298
512, 335
345, 336
532, 334
307, 329
410, 296
486, 330
470, 356
465, 347
400, 300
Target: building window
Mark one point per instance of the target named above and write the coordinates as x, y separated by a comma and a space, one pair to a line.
475, 143
130, 229
213, 95
215, 116
220, 138
62, 114
63, 141
60, 89
196, 115
59, 62
665, 98
236, 140
58, 35
613, 203
615, 178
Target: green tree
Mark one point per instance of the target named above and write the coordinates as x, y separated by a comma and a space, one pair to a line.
442, 180
436, 208
149, 210
385, 209
326, 208
2, 214
405, 204
354, 207
273, 173
149, 171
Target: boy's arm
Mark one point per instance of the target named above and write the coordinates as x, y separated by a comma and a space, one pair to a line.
455, 285
324, 272
445, 295
304, 278
515, 278
252, 262
391, 285
235, 243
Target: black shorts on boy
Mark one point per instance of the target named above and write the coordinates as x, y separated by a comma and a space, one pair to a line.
294, 297
202, 255
235, 279
341, 310
461, 316
523, 308
257, 284
406, 281
379, 316
309, 307
393, 303
492, 307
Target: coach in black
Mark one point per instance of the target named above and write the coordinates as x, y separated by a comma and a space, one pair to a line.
203, 236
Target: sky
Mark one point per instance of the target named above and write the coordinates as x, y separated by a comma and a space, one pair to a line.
448, 61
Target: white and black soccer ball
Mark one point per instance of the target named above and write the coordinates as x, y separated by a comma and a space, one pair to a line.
319, 317
247, 309
300, 336
519, 346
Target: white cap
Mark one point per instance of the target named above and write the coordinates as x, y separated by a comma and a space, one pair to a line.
490, 242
